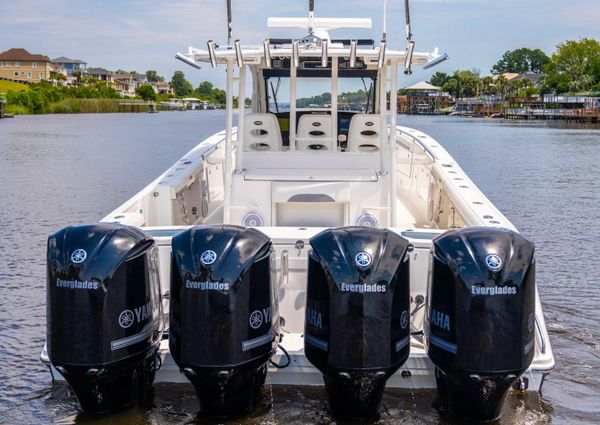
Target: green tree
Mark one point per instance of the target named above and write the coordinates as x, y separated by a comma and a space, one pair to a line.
574, 66
463, 83
439, 79
205, 90
180, 85
153, 77
521, 60
146, 92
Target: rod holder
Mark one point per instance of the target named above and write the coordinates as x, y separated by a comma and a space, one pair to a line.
238, 53
410, 48
187, 61
296, 54
381, 57
267, 52
212, 54
324, 54
353, 44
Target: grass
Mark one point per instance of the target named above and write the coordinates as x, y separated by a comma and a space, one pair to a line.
10, 85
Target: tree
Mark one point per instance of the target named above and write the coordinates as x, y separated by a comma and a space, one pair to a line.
205, 90
521, 60
439, 79
574, 66
180, 85
146, 92
463, 83
153, 77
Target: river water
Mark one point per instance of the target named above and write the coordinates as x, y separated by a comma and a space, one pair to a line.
61, 170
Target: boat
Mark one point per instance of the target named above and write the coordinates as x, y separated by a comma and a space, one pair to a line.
318, 242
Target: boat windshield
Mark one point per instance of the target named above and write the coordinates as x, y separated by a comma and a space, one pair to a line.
353, 94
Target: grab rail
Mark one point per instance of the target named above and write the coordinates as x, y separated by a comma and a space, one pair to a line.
538, 327
415, 139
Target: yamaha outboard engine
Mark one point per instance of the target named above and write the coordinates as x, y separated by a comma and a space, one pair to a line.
357, 325
104, 313
224, 319
481, 317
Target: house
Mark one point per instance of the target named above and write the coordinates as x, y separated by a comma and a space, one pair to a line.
20, 65
70, 65
423, 98
124, 83
162, 88
101, 74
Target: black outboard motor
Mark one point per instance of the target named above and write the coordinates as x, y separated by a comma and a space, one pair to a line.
224, 318
481, 317
357, 325
104, 313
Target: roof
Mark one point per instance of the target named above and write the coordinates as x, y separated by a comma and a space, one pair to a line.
64, 59
533, 76
19, 54
99, 71
423, 85
510, 75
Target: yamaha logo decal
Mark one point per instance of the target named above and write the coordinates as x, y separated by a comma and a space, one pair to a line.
256, 319
493, 262
78, 256
208, 257
404, 319
126, 319
363, 259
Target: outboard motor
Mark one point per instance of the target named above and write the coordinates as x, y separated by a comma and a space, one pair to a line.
224, 318
357, 325
481, 317
104, 313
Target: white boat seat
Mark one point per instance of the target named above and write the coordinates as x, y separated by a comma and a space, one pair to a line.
262, 133
364, 133
315, 133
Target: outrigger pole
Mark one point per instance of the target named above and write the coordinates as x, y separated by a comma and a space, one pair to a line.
229, 23
410, 47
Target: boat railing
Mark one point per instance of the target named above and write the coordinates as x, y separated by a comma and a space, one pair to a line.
415, 140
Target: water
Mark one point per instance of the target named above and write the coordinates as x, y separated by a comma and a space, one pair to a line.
60, 170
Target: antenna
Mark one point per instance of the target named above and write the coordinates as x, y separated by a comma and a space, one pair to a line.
407, 13
384, 20
410, 44
229, 25
311, 16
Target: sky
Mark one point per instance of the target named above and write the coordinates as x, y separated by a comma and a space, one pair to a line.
145, 34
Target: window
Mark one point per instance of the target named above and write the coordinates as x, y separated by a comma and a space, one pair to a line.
34, 65
42, 76
29, 75
8, 65
17, 64
16, 73
0, 64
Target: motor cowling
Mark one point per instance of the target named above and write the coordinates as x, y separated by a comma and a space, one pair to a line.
357, 323
481, 317
104, 313
224, 318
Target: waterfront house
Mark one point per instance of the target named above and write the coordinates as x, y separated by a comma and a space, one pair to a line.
423, 98
70, 65
124, 83
19, 65
162, 88
101, 74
